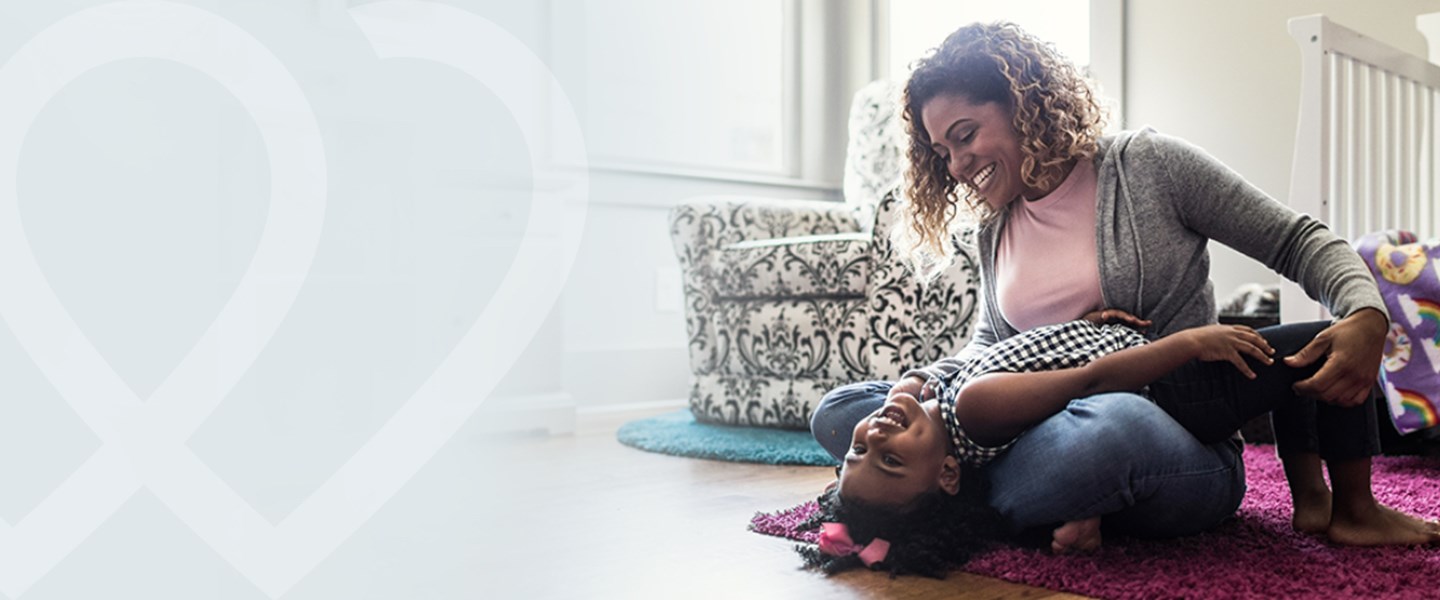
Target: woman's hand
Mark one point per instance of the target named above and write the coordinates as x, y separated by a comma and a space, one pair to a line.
1115, 315
1352, 349
1230, 343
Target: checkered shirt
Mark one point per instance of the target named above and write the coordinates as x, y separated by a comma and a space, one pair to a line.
1049, 348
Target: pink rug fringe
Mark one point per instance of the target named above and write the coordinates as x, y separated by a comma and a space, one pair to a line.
1256, 555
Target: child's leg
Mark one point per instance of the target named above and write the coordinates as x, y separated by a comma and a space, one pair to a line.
1213, 400
1307, 431
1294, 422
1308, 492
1357, 519
1347, 441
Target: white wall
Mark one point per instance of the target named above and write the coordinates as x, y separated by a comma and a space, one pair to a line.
1225, 75
622, 333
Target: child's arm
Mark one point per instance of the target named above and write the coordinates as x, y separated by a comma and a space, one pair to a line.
996, 407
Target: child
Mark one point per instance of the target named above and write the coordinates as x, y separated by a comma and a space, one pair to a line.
901, 478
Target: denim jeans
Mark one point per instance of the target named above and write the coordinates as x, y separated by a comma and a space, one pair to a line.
1113, 455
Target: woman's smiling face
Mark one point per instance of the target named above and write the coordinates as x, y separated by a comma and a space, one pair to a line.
979, 146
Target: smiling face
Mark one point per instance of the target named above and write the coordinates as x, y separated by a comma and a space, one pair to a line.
898, 453
979, 146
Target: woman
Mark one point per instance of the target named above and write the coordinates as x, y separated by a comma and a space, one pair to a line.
1000, 125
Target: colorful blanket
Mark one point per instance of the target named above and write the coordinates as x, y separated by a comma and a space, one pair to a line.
1409, 277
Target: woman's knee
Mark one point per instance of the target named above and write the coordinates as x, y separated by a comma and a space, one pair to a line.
841, 408
1095, 433
1118, 412
1117, 405
1105, 454
1129, 430
846, 398
1125, 423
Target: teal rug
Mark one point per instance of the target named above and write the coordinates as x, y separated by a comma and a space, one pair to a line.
678, 434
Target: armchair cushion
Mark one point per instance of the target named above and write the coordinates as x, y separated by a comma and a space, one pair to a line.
757, 401
802, 338
701, 226
832, 265
786, 300
774, 323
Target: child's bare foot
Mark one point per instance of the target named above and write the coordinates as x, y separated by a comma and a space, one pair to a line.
1077, 537
1312, 511
1376, 525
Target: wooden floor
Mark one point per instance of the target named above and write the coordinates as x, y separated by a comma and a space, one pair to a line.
582, 516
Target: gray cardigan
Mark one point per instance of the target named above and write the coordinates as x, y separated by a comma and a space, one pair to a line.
1160, 201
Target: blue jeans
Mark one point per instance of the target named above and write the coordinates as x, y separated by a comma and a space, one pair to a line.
1113, 455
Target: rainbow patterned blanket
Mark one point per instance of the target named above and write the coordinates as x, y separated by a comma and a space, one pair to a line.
1409, 276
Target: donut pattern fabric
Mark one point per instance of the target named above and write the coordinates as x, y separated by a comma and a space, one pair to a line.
1408, 273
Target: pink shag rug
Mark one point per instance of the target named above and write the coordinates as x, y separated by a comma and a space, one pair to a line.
1256, 555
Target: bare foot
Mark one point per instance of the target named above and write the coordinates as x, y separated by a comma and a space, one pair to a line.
1376, 525
1077, 537
1312, 512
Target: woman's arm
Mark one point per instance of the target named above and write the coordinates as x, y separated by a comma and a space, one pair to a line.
996, 407
1219, 204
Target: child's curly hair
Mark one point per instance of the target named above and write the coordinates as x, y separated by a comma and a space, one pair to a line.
1054, 110
934, 534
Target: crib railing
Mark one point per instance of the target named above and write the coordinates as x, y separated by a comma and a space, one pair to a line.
1365, 154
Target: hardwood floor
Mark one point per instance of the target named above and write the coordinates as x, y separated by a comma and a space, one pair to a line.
585, 517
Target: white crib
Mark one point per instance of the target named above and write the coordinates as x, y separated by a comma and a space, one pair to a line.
1365, 154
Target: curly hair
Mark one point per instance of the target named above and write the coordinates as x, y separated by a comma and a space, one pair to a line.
931, 535
1053, 107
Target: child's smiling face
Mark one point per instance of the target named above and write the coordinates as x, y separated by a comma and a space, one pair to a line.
898, 453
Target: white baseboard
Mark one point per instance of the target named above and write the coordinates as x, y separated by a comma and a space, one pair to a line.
552, 412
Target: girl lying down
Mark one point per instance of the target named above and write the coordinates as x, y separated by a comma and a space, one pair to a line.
899, 502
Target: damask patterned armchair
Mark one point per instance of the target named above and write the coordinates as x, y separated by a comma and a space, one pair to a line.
787, 299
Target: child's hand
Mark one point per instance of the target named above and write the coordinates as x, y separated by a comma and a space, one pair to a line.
1229, 343
1115, 315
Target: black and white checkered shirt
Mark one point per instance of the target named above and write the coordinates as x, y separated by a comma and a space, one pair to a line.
1049, 348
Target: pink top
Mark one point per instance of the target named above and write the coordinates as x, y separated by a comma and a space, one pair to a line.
1045, 265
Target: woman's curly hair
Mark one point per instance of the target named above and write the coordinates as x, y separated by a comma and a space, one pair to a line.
1053, 107
930, 536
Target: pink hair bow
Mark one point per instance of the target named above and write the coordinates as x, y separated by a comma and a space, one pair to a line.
835, 541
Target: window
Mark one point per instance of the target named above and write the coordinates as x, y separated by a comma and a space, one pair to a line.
1089, 33
915, 26
759, 90
684, 86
